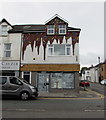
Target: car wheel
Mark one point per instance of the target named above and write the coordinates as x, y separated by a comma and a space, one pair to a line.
24, 96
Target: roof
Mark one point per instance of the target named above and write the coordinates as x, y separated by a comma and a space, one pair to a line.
72, 28
4, 20
40, 28
56, 16
27, 28
33, 28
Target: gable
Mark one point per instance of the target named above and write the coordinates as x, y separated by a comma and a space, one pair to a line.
5, 22
56, 20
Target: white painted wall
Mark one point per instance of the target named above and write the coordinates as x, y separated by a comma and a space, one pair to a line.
15, 40
39, 59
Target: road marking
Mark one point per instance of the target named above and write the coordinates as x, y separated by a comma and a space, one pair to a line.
101, 95
25, 110
94, 110
71, 98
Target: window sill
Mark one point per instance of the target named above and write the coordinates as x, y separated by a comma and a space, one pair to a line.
59, 55
3, 35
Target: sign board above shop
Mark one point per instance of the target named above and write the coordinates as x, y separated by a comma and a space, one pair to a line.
9, 65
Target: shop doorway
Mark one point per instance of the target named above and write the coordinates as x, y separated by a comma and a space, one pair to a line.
43, 82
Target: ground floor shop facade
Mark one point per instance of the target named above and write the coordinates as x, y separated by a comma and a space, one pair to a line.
9, 68
52, 77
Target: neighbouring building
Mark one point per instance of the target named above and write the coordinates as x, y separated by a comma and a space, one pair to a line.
102, 68
9, 50
95, 73
49, 54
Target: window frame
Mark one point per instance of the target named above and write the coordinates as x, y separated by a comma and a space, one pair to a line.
52, 29
4, 31
60, 27
17, 83
53, 52
60, 79
7, 50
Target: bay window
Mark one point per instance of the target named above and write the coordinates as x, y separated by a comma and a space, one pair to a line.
59, 49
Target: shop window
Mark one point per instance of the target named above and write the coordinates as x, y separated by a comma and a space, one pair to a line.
68, 80
7, 50
62, 80
26, 76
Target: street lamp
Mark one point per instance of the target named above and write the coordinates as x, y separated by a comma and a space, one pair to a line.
99, 59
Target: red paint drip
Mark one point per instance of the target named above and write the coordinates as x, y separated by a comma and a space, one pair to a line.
35, 38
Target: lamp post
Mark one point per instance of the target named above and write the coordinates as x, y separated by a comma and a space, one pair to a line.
99, 59
99, 70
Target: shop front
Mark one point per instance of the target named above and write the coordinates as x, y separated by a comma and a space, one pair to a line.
52, 80
9, 68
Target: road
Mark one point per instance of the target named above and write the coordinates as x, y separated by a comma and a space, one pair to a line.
98, 88
54, 108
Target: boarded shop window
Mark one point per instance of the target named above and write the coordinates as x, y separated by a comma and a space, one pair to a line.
68, 80
62, 80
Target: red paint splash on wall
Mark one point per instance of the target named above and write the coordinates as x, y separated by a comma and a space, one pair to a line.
35, 38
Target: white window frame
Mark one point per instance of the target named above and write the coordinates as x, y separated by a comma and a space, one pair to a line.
4, 29
7, 50
67, 46
52, 28
51, 46
62, 27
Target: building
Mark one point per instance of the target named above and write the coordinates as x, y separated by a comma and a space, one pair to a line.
49, 54
102, 68
95, 73
9, 50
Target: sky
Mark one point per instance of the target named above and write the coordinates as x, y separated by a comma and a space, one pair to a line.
89, 16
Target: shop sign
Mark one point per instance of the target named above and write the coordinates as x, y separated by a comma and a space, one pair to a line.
9, 65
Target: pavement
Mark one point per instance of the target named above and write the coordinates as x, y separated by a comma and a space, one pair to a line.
82, 94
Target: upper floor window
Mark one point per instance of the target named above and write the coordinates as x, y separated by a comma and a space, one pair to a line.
7, 50
50, 29
4, 29
59, 49
62, 29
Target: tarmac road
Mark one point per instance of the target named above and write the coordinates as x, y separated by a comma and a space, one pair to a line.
54, 108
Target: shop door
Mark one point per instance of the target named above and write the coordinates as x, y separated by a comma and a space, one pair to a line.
43, 82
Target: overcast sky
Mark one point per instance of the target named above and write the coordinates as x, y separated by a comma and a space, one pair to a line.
89, 16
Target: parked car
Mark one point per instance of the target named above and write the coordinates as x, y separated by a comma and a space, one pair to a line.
84, 83
14, 86
103, 82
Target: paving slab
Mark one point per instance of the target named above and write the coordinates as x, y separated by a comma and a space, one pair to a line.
82, 94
